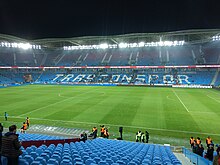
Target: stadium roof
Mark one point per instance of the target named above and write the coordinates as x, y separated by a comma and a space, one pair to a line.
190, 36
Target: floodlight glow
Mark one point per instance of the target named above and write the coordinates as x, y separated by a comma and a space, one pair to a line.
25, 46
123, 45
103, 46
215, 38
141, 44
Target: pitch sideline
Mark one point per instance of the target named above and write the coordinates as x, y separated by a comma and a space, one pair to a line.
126, 126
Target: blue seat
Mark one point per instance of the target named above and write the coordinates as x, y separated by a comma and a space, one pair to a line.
45, 156
29, 158
109, 161
21, 162
57, 157
120, 162
97, 159
65, 162
89, 161
52, 161
103, 163
85, 157
36, 163
34, 154
41, 160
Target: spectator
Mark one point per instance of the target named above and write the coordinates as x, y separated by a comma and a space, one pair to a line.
218, 148
208, 141
217, 159
83, 137
191, 142
11, 146
209, 154
147, 137
200, 150
143, 137
195, 147
1, 130
138, 136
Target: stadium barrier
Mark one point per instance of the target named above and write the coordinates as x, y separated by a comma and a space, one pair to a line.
38, 143
191, 86
194, 158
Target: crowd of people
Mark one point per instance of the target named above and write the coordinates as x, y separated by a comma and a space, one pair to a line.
197, 148
103, 132
142, 137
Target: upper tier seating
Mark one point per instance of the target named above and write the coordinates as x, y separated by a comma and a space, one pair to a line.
206, 53
99, 152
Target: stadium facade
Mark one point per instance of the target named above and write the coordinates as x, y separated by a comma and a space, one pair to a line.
189, 58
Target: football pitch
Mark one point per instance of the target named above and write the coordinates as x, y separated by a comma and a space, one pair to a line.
170, 115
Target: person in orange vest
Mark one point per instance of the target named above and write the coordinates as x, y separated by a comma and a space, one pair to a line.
198, 141
208, 141
191, 141
102, 131
106, 134
28, 122
24, 127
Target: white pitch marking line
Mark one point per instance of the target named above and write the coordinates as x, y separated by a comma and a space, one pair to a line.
180, 101
55, 103
214, 92
139, 127
170, 98
213, 98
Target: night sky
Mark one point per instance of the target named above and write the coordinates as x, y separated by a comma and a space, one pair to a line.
35, 19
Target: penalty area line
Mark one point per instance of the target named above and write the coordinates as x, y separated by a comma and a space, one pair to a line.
180, 101
213, 98
113, 125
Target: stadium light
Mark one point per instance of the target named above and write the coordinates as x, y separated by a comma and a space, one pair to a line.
103, 46
123, 45
141, 44
24, 46
126, 45
216, 38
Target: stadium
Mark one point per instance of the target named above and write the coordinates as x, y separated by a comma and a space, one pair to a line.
164, 83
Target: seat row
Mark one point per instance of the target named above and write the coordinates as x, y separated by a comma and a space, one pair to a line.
100, 152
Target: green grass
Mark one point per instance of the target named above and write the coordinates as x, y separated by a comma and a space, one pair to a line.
170, 115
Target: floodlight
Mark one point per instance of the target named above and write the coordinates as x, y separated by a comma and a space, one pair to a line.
103, 46
123, 45
24, 46
141, 44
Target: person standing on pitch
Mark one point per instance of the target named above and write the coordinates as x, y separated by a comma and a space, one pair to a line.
28, 122
6, 116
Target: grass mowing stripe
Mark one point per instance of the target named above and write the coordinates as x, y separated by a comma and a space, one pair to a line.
114, 125
55, 103
180, 101
213, 98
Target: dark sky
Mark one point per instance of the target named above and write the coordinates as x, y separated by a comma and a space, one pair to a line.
34, 19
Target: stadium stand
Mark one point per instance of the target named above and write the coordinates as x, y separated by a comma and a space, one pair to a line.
99, 151
184, 60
